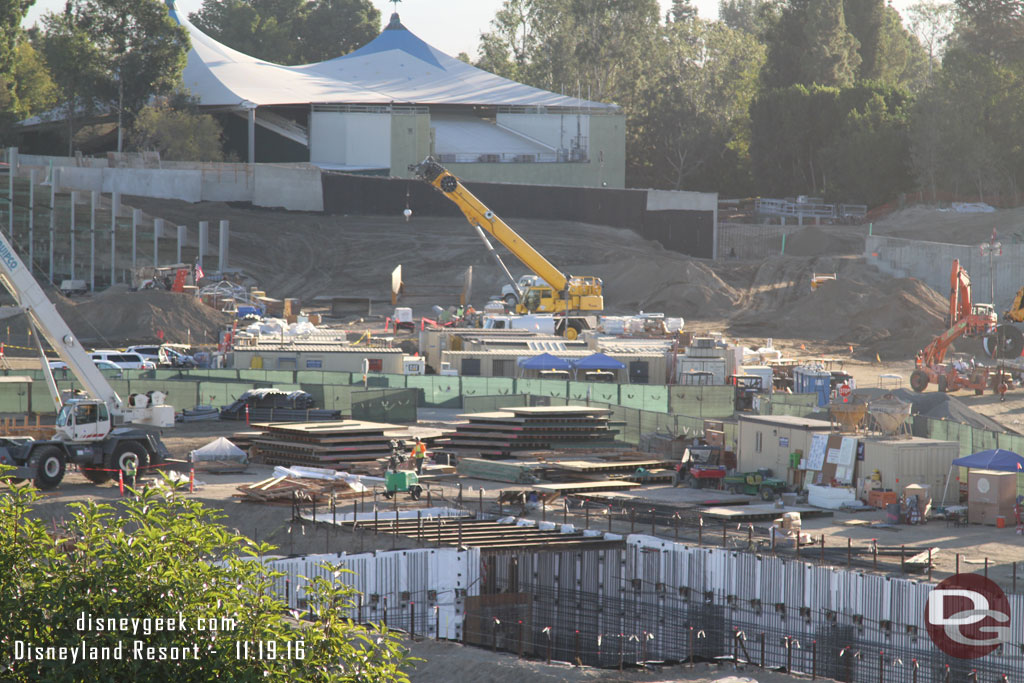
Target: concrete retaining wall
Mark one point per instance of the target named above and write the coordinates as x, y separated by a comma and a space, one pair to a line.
931, 263
296, 187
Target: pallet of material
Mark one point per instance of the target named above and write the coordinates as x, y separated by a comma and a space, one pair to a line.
531, 429
587, 486
281, 489
605, 466
496, 470
321, 443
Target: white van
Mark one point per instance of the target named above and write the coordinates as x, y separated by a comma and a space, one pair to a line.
124, 359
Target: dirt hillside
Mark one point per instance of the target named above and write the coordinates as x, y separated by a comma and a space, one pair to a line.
305, 255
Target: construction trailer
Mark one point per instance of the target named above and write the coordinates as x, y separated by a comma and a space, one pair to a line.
641, 368
767, 441
911, 460
266, 354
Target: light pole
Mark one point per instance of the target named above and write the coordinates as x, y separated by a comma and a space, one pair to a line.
992, 248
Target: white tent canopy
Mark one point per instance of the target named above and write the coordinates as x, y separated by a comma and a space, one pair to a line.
219, 449
394, 68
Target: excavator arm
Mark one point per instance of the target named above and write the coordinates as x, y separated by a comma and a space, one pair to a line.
43, 315
478, 215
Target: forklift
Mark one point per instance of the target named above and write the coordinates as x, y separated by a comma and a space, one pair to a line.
745, 387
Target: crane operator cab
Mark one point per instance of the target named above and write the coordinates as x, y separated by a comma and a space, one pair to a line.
83, 420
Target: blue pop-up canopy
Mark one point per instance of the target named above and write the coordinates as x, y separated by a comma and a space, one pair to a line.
544, 361
998, 459
598, 361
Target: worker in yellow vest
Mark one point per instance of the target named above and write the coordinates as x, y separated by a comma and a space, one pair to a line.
419, 452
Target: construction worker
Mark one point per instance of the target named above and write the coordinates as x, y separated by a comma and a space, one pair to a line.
131, 466
419, 451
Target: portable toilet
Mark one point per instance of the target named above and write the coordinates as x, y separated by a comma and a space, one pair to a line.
808, 380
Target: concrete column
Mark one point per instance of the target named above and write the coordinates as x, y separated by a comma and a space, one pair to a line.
53, 215
31, 217
74, 200
12, 169
204, 237
94, 199
115, 210
222, 248
136, 218
252, 135
158, 228
182, 236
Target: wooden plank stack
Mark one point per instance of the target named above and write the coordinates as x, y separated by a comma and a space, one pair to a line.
334, 445
281, 489
497, 434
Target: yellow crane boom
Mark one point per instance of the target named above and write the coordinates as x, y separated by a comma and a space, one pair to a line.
571, 293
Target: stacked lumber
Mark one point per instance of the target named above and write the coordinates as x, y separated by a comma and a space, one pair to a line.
334, 445
539, 427
497, 470
282, 489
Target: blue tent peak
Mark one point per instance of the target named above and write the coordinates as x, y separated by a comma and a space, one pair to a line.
396, 36
598, 361
544, 361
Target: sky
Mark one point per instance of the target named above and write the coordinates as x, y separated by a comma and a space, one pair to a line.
451, 26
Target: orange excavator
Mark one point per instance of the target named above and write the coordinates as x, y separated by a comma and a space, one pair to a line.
966, 319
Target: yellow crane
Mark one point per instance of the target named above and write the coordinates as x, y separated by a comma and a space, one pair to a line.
570, 297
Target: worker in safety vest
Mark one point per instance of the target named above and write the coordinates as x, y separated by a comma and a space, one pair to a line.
130, 469
419, 452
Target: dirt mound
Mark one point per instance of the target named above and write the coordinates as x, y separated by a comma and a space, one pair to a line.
863, 308
674, 285
814, 241
118, 316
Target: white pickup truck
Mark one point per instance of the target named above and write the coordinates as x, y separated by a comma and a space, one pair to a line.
508, 292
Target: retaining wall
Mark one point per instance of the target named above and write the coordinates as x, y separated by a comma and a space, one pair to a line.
931, 263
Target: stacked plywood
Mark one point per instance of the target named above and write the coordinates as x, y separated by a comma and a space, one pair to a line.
520, 429
333, 445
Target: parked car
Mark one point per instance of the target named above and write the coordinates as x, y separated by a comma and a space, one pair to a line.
104, 365
164, 355
125, 359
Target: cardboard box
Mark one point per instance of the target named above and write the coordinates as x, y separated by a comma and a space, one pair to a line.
986, 486
880, 499
986, 513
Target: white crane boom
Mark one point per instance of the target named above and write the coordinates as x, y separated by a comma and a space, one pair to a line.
31, 298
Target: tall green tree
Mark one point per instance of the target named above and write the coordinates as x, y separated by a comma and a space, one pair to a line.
994, 28
594, 48
12, 12
931, 22
810, 44
289, 31
847, 144
76, 66
689, 128
141, 51
751, 16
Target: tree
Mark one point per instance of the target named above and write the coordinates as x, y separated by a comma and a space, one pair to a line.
992, 28
594, 48
331, 28
689, 127
682, 11
848, 144
175, 128
139, 49
931, 22
289, 31
159, 557
810, 44
75, 64
751, 16
505, 50
12, 12
33, 88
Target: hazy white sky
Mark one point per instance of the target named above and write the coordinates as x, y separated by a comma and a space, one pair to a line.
452, 26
